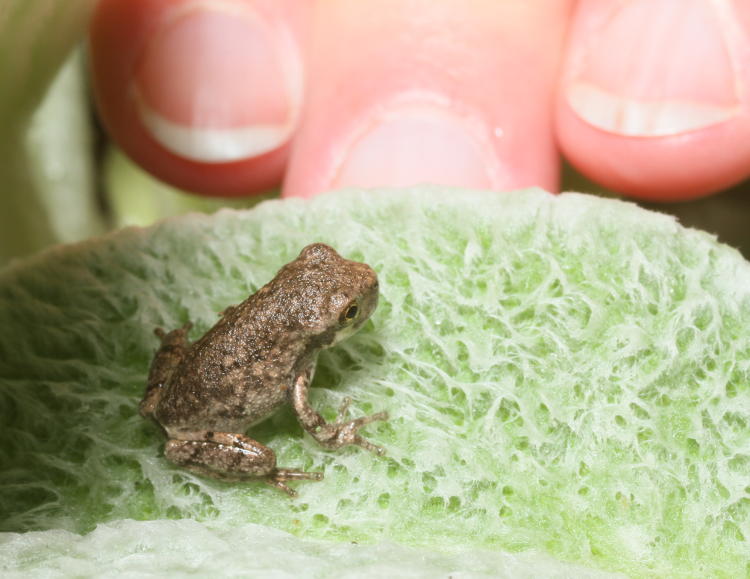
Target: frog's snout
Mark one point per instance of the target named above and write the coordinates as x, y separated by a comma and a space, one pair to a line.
369, 301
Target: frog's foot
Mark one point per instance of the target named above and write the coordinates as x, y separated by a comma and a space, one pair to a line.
279, 477
344, 432
231, 457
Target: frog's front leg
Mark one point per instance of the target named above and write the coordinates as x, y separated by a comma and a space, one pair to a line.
337, 434
231, 457
174, 344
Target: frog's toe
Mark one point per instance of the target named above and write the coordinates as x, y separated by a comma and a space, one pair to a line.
282, 487
377, 416
358, 423
288, 474
343, 409
367, 445
279, 478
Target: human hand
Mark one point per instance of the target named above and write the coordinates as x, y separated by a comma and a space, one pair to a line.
231, 97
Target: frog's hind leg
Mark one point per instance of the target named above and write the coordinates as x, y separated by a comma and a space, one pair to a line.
174, 344
232, 457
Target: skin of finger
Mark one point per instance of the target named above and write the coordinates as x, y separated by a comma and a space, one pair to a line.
118, 32
670, 168
494, 61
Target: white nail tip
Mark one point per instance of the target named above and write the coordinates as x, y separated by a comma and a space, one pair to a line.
640, 118
213, 145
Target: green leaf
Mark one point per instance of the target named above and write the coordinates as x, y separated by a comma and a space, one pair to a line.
568, 379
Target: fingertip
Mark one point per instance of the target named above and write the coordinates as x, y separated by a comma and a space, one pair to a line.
461, 109
203, 95
664, 169
649, 104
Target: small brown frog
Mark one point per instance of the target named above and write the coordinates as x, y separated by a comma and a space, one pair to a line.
260, 355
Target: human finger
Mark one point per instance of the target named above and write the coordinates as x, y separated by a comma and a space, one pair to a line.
654, 98
203, 94
456, 93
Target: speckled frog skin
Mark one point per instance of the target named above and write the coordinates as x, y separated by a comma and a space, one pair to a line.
260, 355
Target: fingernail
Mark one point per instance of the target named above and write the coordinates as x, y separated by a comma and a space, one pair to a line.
217, 84
408, 144
675, 75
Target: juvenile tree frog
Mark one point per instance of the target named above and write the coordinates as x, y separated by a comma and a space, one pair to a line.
260, 355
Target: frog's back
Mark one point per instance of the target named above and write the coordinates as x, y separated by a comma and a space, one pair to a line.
235, 375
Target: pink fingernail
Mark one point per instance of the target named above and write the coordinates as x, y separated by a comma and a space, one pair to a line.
411, 143
218, 84
675, 75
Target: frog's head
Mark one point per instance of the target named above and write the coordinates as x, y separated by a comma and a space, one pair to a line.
333, 297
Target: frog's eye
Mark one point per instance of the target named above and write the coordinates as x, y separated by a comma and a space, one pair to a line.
350, 313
